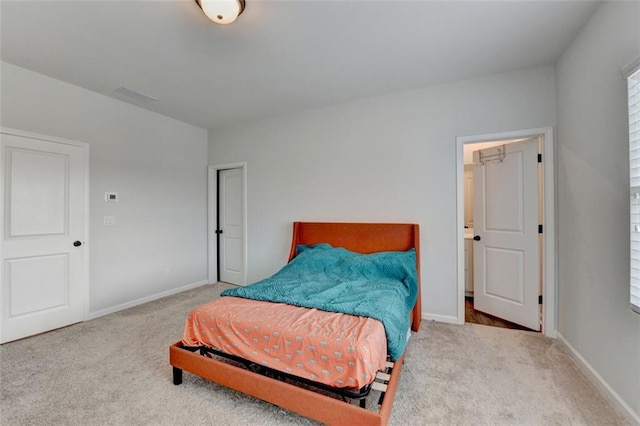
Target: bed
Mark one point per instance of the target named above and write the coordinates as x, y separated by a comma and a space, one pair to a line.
309, 396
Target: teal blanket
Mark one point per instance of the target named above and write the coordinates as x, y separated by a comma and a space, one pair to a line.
380, 285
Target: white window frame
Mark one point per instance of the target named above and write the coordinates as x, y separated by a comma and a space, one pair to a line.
632, 74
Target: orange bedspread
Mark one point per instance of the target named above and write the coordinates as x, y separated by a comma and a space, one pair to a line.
338, 350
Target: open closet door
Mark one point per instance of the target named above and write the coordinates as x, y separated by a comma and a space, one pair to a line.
506, 253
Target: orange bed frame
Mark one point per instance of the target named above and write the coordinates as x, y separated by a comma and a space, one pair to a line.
359, 237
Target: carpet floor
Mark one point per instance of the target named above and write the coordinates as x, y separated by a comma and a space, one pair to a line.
114, 370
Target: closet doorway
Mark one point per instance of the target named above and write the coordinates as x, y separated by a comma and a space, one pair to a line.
506, 230
227, 229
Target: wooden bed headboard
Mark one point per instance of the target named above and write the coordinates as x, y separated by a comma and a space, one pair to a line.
363, 238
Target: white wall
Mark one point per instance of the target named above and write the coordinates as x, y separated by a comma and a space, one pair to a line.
156, 164
593, 198
385, 159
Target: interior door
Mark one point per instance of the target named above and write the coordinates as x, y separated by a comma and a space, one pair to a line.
231, 226
506, 254
43, 283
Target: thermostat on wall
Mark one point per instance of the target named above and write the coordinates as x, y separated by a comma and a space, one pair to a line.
111, 197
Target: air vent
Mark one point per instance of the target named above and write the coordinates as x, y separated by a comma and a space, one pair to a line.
134, 94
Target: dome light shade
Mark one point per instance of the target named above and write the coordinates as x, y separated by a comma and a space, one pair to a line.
221, 11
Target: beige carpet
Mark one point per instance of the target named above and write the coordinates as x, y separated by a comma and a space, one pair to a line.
114, 371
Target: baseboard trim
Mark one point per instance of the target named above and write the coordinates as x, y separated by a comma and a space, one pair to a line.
631, 415
440, 318
127, 305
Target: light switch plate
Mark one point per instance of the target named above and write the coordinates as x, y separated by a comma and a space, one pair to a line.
111, 197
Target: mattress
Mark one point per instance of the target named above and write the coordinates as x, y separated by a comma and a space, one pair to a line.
338, 350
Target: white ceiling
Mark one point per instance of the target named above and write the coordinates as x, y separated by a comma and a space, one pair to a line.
279, 56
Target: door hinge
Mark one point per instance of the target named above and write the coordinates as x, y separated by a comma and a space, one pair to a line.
539, 158
539, 229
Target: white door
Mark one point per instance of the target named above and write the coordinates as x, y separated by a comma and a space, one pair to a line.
230, 226
506, 250
43, 284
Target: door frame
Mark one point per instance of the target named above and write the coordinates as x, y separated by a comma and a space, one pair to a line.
549, 262
85, 147
212, 218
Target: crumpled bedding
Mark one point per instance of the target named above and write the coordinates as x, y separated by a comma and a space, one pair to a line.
339, 350
380, 285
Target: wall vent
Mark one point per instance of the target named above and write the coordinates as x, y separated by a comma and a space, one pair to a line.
136, 95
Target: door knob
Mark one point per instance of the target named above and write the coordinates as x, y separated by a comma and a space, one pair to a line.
476, 238
77, 243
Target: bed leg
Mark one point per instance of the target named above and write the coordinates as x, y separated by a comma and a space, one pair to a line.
177, 376
363, 403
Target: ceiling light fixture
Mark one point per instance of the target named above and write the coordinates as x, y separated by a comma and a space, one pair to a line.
221, 11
